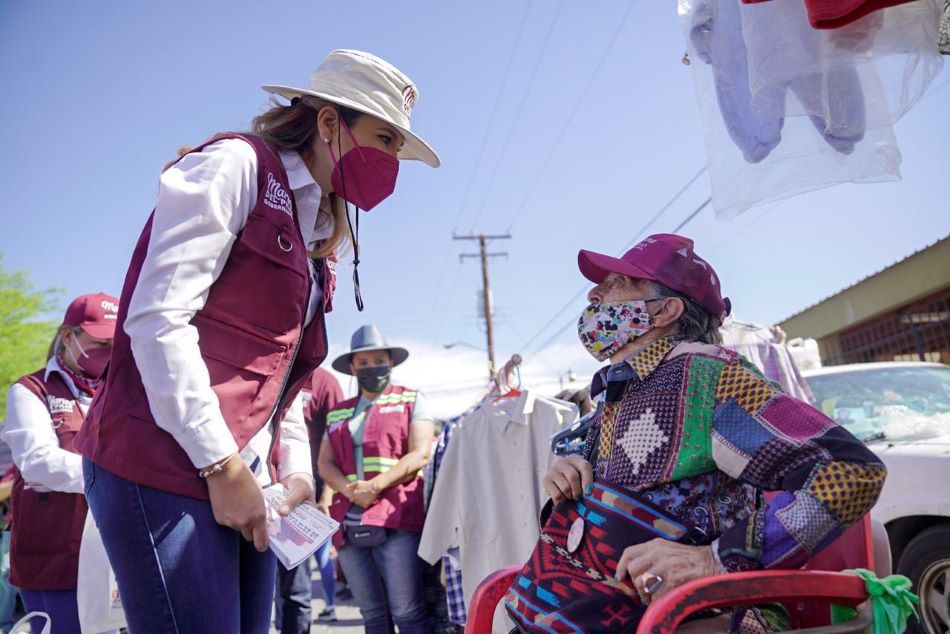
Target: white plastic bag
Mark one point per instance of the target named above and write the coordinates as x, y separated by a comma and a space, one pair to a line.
885, 60
25, 621
757, 156
944, 44
100, 608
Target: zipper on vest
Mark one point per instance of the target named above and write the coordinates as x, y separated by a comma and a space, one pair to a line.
303, 322
290, 366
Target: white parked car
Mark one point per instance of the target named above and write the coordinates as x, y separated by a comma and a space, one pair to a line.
902, 411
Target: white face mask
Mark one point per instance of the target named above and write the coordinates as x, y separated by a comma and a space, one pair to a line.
606, 328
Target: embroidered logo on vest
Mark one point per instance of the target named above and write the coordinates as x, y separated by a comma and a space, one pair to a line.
59, 405
389, 409
277, 197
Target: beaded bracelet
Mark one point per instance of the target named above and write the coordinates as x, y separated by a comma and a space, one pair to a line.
215, 468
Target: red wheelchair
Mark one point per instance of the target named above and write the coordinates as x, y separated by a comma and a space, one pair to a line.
807, 593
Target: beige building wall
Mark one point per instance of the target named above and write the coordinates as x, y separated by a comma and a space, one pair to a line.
918, 275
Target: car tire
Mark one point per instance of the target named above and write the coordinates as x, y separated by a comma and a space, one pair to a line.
926, 562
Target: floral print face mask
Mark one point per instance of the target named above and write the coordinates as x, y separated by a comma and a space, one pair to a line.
606, 328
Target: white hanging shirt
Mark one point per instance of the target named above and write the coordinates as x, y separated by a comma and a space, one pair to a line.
489, 494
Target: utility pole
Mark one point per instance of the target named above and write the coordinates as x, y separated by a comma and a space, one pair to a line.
486, 286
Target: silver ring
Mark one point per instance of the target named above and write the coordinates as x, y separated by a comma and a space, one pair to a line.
280, 243
653, 584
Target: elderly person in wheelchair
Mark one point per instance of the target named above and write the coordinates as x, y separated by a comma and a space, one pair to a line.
687, 438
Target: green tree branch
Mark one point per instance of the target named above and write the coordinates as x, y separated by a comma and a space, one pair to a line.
25, 328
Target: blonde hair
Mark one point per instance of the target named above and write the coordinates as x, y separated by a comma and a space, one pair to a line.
57, 343
290, 129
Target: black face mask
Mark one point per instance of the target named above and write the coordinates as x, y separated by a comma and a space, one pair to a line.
373, 379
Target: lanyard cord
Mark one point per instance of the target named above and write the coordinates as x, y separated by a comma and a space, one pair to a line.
355, 235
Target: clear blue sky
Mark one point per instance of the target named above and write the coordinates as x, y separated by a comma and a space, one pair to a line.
98, 95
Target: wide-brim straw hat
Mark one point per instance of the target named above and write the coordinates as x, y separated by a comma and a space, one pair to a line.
370, 85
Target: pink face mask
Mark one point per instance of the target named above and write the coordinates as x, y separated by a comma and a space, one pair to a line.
364, 176
92, 362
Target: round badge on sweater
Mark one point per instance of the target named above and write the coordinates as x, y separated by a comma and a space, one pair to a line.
575, 535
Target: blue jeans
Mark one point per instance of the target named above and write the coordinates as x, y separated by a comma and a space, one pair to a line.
292, 603
179, 571
7, 592
386, 581
60, 605
327, 574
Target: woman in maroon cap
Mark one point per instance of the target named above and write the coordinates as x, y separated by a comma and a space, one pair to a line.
44, 412
687, 438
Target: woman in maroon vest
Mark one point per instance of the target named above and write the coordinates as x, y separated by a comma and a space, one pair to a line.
45, 410
221, 323
378, 443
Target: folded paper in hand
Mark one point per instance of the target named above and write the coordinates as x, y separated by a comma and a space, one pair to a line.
296, 536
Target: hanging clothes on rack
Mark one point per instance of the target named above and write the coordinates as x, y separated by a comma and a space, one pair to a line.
431, 471
767, 350
488, 491
885, 62
788, 109
944, 42
716, 34
834, 14
451, 569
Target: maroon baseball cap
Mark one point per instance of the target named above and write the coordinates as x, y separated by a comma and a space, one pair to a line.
665, 258
96, 313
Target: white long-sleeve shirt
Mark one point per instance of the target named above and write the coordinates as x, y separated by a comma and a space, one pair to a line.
34, 445
203, 203
488, 492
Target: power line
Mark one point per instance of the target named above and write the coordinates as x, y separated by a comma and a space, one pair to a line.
557, 334
560, 330
632, 241
483, 255
692, 215
676, 196
577, 106
555, 317
551, 339
494, 112
440, 307
514, 47
517, 117
449, 300
765, 211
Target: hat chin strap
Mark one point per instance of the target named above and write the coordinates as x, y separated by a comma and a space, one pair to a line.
355, 235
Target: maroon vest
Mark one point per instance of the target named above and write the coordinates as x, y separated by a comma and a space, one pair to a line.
385, 441
47, 526
249, 333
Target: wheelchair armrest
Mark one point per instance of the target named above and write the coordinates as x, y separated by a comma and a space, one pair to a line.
486, 598
750, 588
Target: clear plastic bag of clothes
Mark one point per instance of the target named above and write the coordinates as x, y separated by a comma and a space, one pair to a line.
864, 75
758, 154
943, 45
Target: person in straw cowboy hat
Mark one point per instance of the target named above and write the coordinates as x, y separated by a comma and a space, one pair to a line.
377, 444
221, 322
